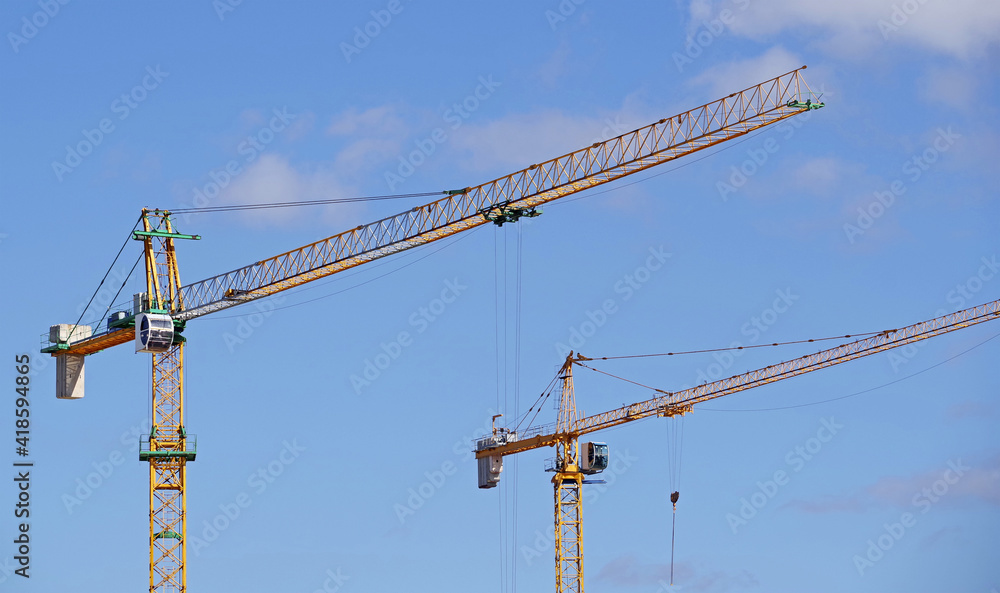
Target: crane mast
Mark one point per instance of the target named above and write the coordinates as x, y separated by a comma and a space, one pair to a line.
568, 489
168, 447
564, 435
159, 315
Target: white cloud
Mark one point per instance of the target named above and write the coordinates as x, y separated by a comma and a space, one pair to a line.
383, 120
629, 571
556, 67
950, 86
300, 126
520, 140
370, 138
824, 175
740, 74
856, 28
271, 178
978, 481
971, 409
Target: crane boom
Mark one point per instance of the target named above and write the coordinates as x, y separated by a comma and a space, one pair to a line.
678, 402
668, 139
663, 141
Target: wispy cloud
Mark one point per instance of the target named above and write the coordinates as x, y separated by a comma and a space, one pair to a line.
953, 87
964, 410
740, 74
379, 121
272, 178
980, 483
628, 571
522, 139
854, 28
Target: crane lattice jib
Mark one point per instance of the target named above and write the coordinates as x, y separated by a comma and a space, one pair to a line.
668, 139
663, 141
678, 402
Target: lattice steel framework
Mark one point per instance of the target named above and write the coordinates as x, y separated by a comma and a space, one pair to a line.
565, 433
666, 140
167, 439
567, 484
167, 477
679, 402
569, 532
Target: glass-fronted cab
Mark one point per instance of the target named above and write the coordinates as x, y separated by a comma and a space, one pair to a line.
593, 457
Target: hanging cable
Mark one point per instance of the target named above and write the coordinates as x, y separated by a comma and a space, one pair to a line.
106, 274
503, 549
578, 363
505, 318
124, 282
862, 392
517, 392
500, 349
707, 350
673, 530
326, 296
268, 205
675, 444
536, 406
496, 313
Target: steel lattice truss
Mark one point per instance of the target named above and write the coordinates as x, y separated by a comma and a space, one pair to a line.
666, 140
167, 475
569, 533
677, 402
663, 141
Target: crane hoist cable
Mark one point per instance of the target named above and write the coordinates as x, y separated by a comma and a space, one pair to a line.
537, 405
816, 403
106, 274
268, 205
586, 366
508, 288
370, 280
517, 391
707, 350
111, 303
864, 391
374, 198
675, 444
496, 312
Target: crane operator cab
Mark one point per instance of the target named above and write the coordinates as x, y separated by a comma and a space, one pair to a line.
593, 457
154, 332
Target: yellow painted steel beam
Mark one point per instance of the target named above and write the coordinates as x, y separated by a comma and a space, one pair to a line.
167, 474
682, 401
602, 162
99, 342
567, 487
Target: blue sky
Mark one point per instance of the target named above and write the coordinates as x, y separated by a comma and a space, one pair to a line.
877, 211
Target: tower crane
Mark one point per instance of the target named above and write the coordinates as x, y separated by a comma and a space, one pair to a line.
159, 315
575, 460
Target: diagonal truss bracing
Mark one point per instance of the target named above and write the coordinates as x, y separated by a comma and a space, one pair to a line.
681, 401
663, 141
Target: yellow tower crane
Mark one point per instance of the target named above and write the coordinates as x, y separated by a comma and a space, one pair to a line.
574, 460
158, 316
